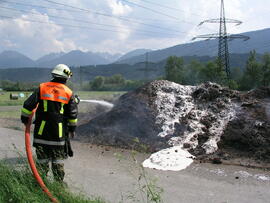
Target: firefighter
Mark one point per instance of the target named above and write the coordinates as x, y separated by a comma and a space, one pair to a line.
55, 122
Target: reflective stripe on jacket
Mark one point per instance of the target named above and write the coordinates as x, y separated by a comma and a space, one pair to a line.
56, 113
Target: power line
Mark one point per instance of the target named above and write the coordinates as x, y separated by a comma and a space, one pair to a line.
78, 10
168, 7
61, 24
67, 25
223, 37
107, 15
83, 21
155, 11
158, 12
128, 19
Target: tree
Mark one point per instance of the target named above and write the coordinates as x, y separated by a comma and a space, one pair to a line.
266, 70
174, 69
98, 83
192, 73
253, 73
116, 79
236, 74
213, 72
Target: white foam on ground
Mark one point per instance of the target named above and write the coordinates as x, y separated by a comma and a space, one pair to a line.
174, 102
219, 172
243, 174
173, 159
217, 129
262, 177
168, 114
100, 102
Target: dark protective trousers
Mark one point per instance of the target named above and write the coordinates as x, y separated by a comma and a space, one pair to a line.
45, 155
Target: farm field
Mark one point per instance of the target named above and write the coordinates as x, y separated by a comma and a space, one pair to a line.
11, 109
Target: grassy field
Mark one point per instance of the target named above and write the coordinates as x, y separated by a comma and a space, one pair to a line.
101, 95
5, 100
18, 185
10, 110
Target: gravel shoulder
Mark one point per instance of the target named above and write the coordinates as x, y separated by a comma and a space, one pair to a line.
113, 175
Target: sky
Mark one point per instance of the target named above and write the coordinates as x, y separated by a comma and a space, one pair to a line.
39, 27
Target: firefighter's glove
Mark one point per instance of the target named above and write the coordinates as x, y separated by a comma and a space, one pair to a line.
77, 99
71, 135
24, 120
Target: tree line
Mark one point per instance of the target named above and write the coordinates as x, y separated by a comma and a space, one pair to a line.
113, 83
254, 74
8, 85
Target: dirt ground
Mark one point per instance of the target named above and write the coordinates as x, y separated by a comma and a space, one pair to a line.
114, 175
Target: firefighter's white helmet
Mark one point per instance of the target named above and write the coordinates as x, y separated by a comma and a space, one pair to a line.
62, 71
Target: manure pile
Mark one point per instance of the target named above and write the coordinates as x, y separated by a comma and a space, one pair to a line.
194, 121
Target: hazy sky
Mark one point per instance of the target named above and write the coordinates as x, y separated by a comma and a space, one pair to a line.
39, 27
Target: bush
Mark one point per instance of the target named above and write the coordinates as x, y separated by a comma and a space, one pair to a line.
17, 86
114, 83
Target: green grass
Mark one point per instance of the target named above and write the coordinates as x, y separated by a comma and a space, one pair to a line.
10, 111
12, 108
102, 95
5, 100
20, 186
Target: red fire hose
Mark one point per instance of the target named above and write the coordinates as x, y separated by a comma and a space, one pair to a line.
32, 163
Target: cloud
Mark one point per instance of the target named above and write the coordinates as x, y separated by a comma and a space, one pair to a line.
8, 43
141, 28
32, 37
118, 8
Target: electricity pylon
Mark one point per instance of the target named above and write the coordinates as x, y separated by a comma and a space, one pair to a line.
146, 75
223, 37
146, 68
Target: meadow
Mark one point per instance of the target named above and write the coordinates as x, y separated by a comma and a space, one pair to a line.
10, 110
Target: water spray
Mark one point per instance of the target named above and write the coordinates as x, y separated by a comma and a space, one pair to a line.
100, 102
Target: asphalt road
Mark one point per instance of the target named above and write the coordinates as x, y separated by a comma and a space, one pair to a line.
113, 175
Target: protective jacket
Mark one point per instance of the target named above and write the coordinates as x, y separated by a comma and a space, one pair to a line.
56, 113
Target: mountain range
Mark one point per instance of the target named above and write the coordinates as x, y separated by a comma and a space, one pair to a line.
259, 40
14, 59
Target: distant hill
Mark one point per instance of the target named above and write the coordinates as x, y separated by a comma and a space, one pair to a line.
109, 57
49, 57
14, 59
76, 58
136, 52
259, 40
134, 72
